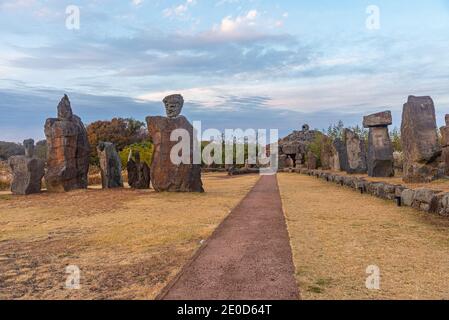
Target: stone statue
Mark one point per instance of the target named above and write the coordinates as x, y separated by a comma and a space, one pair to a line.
380, 159
173, 105
356, 152
166, 175
138, 173
420, 143
67, 150
27, 171
110, 165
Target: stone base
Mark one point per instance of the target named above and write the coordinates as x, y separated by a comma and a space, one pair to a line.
421, 173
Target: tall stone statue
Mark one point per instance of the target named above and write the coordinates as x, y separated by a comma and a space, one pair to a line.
445, 145
380, 149
420, 143
356, 152
27, 171
67, 150
138, 172
166, 175
110, 165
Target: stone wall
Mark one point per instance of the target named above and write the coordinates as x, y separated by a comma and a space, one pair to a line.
428, 200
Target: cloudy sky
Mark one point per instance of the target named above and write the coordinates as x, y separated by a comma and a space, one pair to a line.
238, 63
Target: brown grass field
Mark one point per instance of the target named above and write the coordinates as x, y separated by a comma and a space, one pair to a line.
128, 244
337, 233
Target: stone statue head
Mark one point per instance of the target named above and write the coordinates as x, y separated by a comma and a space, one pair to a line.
29, 148
64, 109
173, 105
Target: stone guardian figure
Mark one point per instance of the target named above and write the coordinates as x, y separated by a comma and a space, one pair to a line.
166, 175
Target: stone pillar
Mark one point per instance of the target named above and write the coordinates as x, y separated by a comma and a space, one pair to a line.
380, 149
110, 165
67, 150
355, 148
420, 140
138, 172
166, 175
311, 161
341, 155
27, 171
326, 153
445, 145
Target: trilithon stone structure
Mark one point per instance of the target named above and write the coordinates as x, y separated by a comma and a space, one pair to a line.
295, 146
110, 165
356, 152
445, 145
67, 150
420, 140
27, 171
138, 172
166, 175
380, 149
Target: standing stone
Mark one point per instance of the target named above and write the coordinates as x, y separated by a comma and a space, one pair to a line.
420, 140
312, 161
355, 148
138, 173
380, 149
110, 165
326, 153
334, 160
67, 150
445, 145
27, 171
342, 154
166, 175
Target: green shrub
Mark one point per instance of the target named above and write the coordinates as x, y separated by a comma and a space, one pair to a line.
145, 149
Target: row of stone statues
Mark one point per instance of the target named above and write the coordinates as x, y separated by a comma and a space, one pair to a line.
68, 157
424, 158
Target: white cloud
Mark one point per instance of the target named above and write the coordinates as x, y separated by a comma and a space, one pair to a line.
179, 10
239, 24
137, 2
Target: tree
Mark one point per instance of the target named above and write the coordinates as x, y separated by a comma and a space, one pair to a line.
395, 137
121, 132
9, 149
145, 149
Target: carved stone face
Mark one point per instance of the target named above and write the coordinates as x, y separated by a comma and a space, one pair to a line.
64, 109
173, 105
29, 148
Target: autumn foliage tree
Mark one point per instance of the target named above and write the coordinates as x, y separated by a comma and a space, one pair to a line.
121, 132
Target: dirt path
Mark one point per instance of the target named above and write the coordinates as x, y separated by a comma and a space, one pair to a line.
248, 256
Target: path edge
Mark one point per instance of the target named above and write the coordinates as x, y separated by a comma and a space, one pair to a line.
289, 239
163, 293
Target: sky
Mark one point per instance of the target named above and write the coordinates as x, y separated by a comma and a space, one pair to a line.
238, 63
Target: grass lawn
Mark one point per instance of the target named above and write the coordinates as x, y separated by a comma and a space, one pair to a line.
128, 244
337, 233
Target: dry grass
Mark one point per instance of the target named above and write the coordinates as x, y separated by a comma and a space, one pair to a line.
128, 244
337, 233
